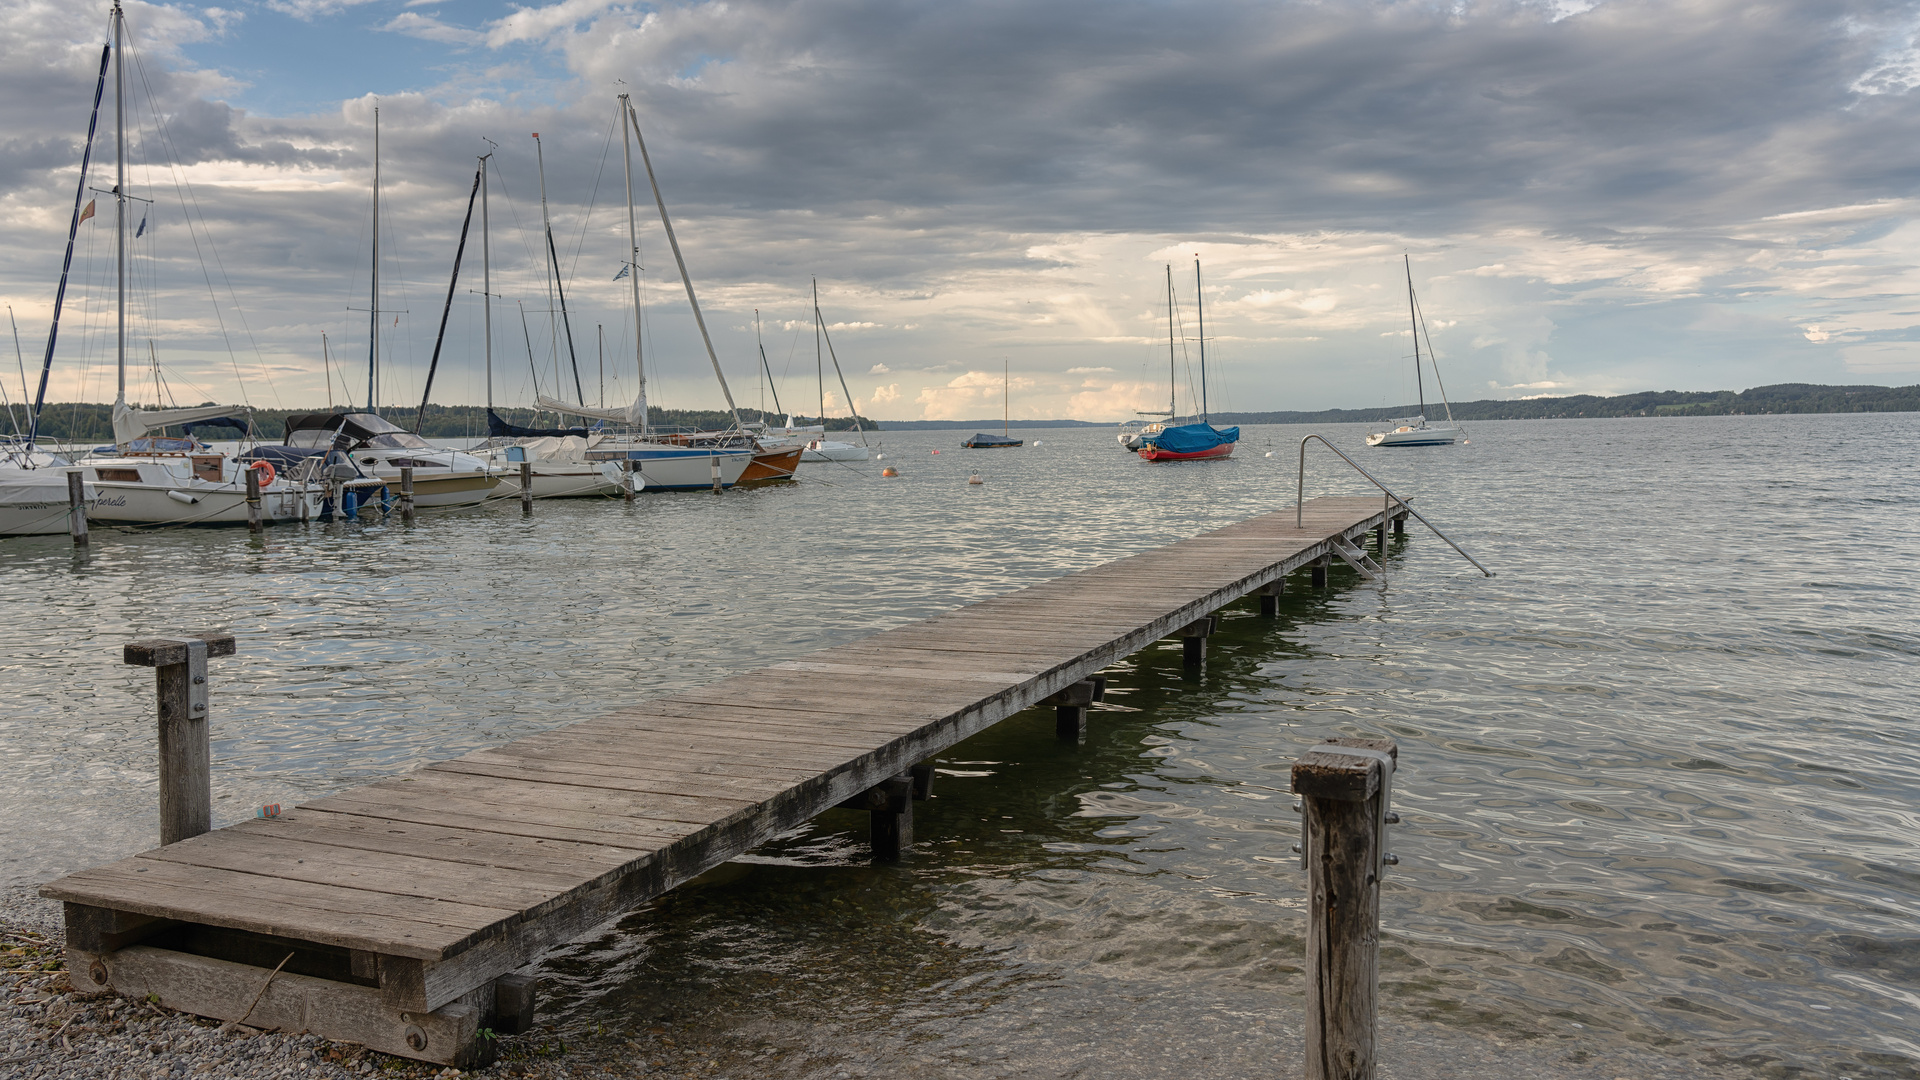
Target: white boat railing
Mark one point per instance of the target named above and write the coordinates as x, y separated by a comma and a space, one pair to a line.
1300, 493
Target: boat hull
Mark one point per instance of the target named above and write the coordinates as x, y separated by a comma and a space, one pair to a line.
775, 466
33, 502
1154, 453
1416, 437
557, 481
674, 468
834, 451
144, 504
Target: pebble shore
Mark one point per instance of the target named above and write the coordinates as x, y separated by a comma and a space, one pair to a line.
47, 1032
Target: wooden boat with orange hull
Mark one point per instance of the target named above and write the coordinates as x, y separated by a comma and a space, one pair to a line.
771, 466
1155, 453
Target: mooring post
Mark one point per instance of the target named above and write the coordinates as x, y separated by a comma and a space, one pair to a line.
406, 494
1318, 571
1400, 524
889, 807
77, 508
714, 461
1386, 515
253, 499
526, 487
180, 675
626, 480
1071, 706
1194, 640
1345, 788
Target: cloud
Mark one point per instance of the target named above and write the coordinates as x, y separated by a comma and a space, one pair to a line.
1700, 190
879, 369
428, 28
886, 395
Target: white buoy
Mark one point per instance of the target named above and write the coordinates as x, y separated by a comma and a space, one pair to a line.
1269, 453
975, 479
1036, 442
879, 457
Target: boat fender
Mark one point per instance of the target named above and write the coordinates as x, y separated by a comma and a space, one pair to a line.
266, 472
936, 451
350, 503
891, 471
183, 497
975, 479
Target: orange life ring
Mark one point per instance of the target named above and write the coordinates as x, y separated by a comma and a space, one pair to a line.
267, 480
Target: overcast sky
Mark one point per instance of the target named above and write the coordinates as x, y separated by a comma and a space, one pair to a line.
1602, 198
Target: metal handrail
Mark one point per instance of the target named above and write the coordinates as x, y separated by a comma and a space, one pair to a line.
1300, 498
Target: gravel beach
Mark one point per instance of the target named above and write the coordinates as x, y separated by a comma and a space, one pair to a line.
48, 1032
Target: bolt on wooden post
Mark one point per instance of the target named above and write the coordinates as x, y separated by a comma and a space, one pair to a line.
1345, 787
180, 676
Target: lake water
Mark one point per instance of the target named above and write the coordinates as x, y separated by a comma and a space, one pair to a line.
1658, 783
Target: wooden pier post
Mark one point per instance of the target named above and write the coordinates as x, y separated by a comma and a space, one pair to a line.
180, 674
1194, 640
1071, 706
1345, 787
714, 461
1400, 525
1270, 598
626, 479
889, 806
526, 487
1318, 572
77, 508
406, 495
253, 499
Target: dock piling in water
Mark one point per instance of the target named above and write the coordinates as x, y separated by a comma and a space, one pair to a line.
526, 487
77, 508
253, 500
406, 495
1345, 788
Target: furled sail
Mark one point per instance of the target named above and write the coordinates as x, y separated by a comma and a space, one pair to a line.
632, 414
130, 423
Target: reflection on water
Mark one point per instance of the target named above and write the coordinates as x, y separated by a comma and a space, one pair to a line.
1658, 784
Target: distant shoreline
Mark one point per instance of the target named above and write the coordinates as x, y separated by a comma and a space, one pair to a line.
90, 421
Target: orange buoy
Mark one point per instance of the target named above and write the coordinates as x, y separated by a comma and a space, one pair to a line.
889, 471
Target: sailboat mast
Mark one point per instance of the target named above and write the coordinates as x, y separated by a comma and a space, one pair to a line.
686, 279
1200, 306
764, 366
819, 368
120, 198
1006, 397
556, 286
373, 308
1172, 374
633, 260
1414, 318
486, 277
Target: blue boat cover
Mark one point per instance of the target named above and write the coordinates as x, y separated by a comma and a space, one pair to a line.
1192, 438
498, 428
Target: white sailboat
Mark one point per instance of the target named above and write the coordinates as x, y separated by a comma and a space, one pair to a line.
1415, 430
152, 480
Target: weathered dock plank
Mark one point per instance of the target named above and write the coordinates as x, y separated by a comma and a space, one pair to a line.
440, 882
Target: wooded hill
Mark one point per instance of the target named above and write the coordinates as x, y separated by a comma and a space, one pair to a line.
1779, 398
84, 422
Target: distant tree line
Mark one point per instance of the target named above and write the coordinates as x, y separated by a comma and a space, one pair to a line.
85, 422
1779, 398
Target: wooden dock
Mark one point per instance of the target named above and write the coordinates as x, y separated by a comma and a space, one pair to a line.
396, 915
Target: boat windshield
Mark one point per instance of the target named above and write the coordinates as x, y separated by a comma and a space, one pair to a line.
400, 440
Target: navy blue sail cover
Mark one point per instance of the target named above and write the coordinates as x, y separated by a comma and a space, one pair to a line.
1193, 438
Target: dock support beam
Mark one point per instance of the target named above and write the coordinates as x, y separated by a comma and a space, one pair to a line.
77, 508
1400, 525
406, 496
1071, 706
626, 479
714, 462
526, 487
180, 674
1194, 641
1270, 598
889, 806
1318, 572
1345, 787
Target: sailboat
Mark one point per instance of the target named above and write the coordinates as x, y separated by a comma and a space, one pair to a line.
150, 479
1414, 430
821, 448
1005, 440
1188, 442
379, 447
665, 462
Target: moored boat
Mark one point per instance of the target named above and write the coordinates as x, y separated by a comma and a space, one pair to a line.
1415, 430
